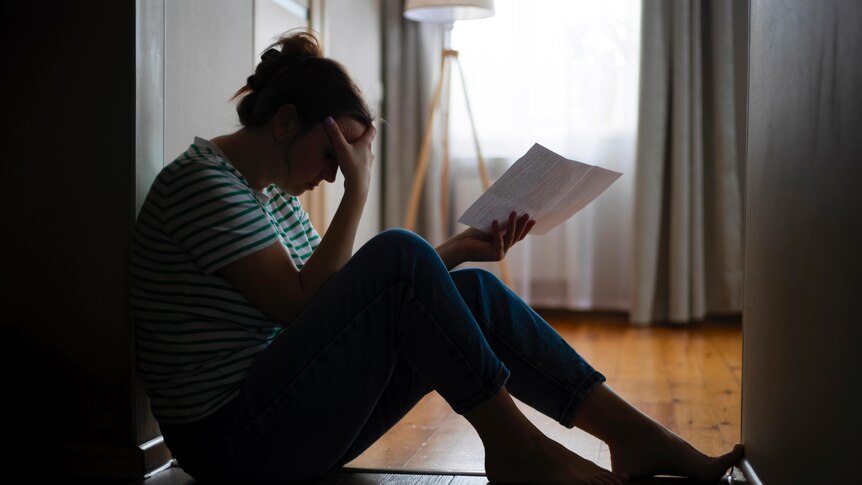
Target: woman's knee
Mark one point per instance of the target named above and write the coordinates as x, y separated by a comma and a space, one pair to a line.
400, 240
476, 276
479, 286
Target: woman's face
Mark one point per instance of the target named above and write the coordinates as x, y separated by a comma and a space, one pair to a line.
311, 157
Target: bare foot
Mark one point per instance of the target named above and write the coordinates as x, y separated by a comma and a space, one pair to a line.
517, 452
544, 461
658, 451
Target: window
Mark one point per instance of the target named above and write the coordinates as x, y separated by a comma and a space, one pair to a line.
562, 73
559, 72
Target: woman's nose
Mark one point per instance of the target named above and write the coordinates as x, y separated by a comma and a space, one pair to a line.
330, 172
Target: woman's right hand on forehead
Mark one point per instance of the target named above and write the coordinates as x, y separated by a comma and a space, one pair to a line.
355, 158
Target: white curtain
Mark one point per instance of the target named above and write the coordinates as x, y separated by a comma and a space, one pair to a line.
411, 63
562, 73
688, 202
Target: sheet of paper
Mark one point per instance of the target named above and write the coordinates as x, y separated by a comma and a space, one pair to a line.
548, 187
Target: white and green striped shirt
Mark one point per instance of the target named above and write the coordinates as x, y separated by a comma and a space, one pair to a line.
196, 334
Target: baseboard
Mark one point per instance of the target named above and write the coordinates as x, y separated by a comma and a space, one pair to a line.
748, 471
157, 456
412, 471
132, 463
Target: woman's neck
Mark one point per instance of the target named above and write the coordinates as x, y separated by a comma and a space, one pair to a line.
254, 153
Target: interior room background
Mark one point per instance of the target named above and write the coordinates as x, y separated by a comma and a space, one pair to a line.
73, 79
563, 74
569, 78
655, 90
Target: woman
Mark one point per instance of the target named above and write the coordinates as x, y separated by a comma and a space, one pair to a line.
272, 355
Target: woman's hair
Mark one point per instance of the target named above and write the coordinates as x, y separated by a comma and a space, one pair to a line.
293, 71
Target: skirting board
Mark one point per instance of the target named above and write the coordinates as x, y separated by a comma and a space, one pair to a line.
412, 471
748, 472
118, 462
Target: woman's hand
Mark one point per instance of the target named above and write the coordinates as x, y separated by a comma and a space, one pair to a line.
475, 245
354, 159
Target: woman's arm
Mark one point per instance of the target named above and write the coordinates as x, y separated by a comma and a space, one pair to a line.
336, 247
450, 253
269, 279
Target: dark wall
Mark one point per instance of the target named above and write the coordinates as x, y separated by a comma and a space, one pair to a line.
802, 379
68, 201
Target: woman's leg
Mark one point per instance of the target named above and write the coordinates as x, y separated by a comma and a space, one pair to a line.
546, 372
515, 450
640, 446
549, 375
309, 395
405, 388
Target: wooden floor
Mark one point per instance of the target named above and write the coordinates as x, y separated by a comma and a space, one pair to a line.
175, 476
688, 378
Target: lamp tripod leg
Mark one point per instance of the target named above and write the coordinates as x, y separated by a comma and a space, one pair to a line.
424, 152
444, 175
483, 170
449, 56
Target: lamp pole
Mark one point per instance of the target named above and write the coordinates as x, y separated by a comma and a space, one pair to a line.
448, 58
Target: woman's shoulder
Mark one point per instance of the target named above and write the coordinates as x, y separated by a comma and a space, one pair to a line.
282, 201
276, 193
199, 163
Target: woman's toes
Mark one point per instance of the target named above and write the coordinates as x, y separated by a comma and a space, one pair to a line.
732, 457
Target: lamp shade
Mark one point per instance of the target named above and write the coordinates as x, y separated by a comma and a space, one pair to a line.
447, 11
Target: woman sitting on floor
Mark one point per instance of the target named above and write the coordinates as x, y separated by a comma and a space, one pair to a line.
272, 354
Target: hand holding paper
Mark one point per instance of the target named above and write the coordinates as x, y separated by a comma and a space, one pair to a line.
548, 187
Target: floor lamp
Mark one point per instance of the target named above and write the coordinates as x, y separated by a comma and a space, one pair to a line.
446, 12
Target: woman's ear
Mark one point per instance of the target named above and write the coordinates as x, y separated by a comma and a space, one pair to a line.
285, 123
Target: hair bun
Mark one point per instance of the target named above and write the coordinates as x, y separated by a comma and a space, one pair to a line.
270, 54
293, 71
289, 50
297, 45
252, 83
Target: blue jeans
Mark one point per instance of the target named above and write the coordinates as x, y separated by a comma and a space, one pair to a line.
391, 326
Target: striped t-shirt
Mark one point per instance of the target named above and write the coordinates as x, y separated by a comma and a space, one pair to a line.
196, 335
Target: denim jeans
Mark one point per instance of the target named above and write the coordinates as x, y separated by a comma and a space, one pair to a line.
391, 326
